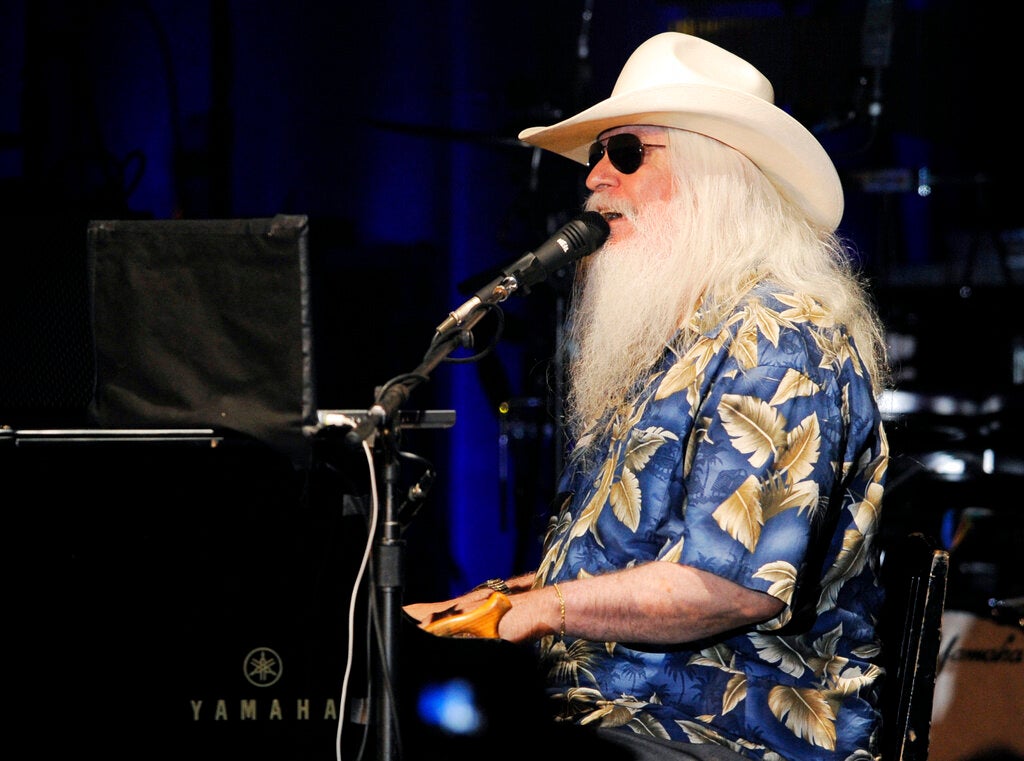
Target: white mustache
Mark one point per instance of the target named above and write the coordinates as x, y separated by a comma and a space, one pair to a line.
610, 206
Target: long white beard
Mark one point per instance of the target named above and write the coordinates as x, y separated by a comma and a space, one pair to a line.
635, 294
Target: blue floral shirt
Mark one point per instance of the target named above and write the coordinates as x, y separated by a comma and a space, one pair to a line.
756, 453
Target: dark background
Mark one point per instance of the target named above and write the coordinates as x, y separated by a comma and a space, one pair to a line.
391, 126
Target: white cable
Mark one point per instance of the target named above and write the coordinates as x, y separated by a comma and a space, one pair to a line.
355, 589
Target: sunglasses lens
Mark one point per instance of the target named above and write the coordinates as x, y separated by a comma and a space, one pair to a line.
625, 152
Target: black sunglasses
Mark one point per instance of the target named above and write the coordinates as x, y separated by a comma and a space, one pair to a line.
625, 151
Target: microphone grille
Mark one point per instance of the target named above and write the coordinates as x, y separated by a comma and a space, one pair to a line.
597, 224
594, 232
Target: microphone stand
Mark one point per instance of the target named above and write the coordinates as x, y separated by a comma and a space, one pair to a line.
383, 420
390, 580
572, 241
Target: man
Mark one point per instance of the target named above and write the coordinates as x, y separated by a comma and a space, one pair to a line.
708, 588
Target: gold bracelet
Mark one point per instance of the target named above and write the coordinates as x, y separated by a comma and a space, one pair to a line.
561, 604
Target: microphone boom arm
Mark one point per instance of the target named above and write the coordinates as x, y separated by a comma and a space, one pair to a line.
572, 241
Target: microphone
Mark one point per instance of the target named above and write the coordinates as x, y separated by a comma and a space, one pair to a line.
573, 241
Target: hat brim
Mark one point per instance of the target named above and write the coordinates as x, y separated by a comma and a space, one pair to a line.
776, 142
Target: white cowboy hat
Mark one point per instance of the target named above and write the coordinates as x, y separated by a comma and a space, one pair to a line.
677, 80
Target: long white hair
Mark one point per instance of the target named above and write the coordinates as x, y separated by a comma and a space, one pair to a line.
725, 223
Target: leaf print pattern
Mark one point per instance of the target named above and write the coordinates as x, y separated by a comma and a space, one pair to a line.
644, 724
744, 348
740, 514
801, 450
625, 499
782, 652
851, 560
719, 656
794, 384
835, 350
735, 691
754, 426
768, 322
682, 376
644, 444
782, 575
686, 372
700, 733
616, 486
757, 424
806, 713
804, 309
778, 495
673, 553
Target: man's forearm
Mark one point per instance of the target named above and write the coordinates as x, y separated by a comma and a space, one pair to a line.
656, 603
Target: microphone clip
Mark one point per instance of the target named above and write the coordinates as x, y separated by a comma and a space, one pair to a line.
496, 293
